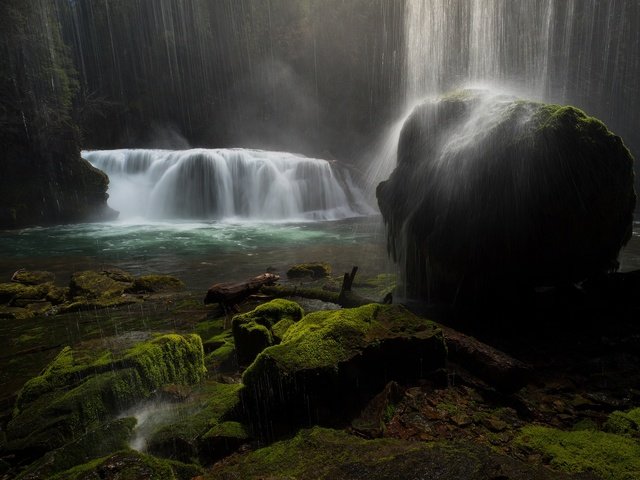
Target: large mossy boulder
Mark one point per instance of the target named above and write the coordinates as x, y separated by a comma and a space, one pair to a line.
331, 362
80, 389
491, 191
262, 327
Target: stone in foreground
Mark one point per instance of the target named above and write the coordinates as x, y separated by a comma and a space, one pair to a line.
491, 192
331, 362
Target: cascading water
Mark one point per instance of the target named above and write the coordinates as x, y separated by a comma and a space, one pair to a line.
580, 52
225, 184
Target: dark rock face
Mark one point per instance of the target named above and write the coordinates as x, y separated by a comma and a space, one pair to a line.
63, 188
491, 191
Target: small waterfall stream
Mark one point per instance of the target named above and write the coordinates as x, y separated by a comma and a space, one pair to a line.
227, 184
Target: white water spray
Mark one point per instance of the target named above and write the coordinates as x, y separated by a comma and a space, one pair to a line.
227, 184
534, 49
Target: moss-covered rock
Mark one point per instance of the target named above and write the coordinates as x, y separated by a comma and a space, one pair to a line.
221, 352
314, 270
331, 362
320, 453
492, 192
81, 389
201, 431
12, 292
610, 456
90, 290
95, 285
253, 331
130, 465
155, 284
624, 423
32, 277
97, 442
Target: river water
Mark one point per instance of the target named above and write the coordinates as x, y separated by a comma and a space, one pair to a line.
198, 253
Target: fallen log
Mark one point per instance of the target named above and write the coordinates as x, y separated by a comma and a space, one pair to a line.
345, 298
230, 293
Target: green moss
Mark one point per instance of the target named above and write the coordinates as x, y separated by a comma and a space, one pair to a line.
317, 453
57, 295
97, 442
82, 304
613, 457
156, 283
32, 277
378, 286
252, 331
210, 328
130, 465
280, 328
330, 360
183, 439
227, 430
222, 352
12, 291
624, 423
296, 291
313, 270
270, 313
96, 285
81, 389
326, 338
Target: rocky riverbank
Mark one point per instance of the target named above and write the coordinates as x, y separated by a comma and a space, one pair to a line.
156, 384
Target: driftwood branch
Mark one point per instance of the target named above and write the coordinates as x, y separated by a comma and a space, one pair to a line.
345, 298
230, 294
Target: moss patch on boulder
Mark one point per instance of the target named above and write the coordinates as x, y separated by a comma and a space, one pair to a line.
81, 389
331, 362
610, 456
97, 442
129, 464
313, 270
253, 331
322, 453
156, 284
32, 277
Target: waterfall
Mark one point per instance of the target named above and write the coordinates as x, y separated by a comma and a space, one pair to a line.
580, 52
227, 184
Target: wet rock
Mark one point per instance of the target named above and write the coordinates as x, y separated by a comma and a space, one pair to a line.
372, 419
312, 270
32, 277
490, 364
129, 464
97, 442
262, 327
155, 284
204, 429
94, 285
493, 194
331, 362
12, 292
81, 389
